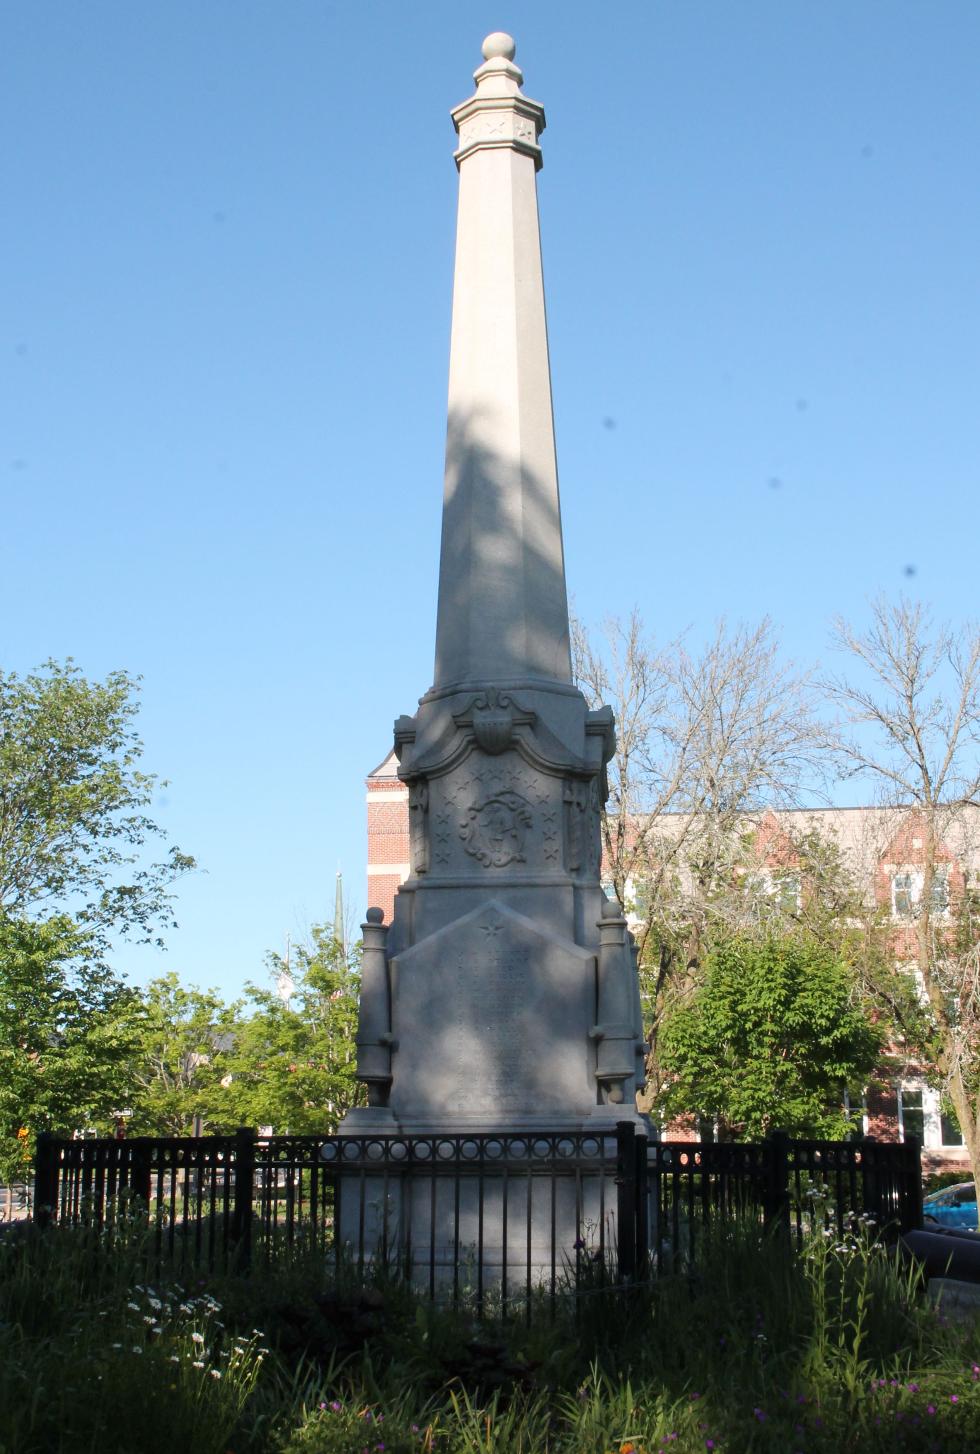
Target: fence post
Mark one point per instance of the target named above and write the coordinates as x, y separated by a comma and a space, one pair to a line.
870, 1190
140, 1174
776, 1208
45, 1179
912, 1186
642, 1204
241, 1226
626, 1200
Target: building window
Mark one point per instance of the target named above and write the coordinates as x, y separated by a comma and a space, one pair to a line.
768, 892
911, 1115
641, 898
706, 1128
952, 1134
856, 1111
786, 892
940, 891
905, 893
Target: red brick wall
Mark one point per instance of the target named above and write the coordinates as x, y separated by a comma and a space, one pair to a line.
387, 831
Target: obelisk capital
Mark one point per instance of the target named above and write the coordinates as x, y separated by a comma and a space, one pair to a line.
498, 114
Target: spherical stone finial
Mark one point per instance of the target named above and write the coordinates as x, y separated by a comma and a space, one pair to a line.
375, 916
499, 44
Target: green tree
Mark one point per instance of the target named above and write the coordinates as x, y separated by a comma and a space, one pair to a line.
73, 825
770, 1039
75, 872
68, 1034
294, 1059
182, 1066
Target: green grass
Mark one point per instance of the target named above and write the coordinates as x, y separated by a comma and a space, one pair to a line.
763, 1349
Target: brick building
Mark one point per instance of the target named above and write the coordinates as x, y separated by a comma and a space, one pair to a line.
883, 848
388, 834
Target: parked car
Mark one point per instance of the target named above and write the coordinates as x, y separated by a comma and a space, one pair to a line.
954, 1206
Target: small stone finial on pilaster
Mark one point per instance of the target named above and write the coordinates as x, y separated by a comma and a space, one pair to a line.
374, 1038
614, 1034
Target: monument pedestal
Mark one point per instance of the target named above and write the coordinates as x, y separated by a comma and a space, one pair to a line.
506, 1215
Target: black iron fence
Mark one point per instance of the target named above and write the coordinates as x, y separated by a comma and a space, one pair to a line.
796, 1188
472, 1217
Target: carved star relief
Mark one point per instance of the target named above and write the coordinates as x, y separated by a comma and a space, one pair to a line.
461, 787
442, 838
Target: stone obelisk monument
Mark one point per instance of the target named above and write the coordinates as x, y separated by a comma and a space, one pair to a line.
504, 994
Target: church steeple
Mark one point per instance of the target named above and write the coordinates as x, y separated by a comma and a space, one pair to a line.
503, 612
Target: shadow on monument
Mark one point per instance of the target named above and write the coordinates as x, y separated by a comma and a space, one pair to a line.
503, 610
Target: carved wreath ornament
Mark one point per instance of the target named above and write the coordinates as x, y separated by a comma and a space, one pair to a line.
494, 831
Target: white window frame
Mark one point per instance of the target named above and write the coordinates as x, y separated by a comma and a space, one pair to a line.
941, 872
914, 876
931, 1133
916, 879
864, 1108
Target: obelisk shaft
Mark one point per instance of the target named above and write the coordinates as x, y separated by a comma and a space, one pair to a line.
503, 612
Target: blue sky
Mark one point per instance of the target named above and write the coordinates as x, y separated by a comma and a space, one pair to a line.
226, 245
